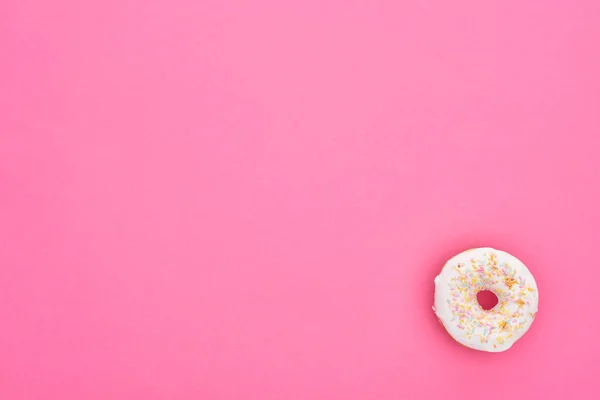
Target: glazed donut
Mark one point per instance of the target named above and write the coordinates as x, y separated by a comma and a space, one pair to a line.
458, 310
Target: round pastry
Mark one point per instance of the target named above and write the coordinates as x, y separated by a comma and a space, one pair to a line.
485, 269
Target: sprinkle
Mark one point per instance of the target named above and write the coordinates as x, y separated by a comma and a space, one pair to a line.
508, 281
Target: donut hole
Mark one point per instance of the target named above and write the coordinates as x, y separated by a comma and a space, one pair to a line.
487, 299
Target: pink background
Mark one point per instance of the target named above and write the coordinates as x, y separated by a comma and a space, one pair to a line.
209, 199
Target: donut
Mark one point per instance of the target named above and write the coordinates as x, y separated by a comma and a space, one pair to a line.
485, 269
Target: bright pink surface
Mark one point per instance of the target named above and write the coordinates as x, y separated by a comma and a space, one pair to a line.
250, 200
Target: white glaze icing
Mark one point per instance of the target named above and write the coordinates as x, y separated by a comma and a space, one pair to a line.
458, 310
